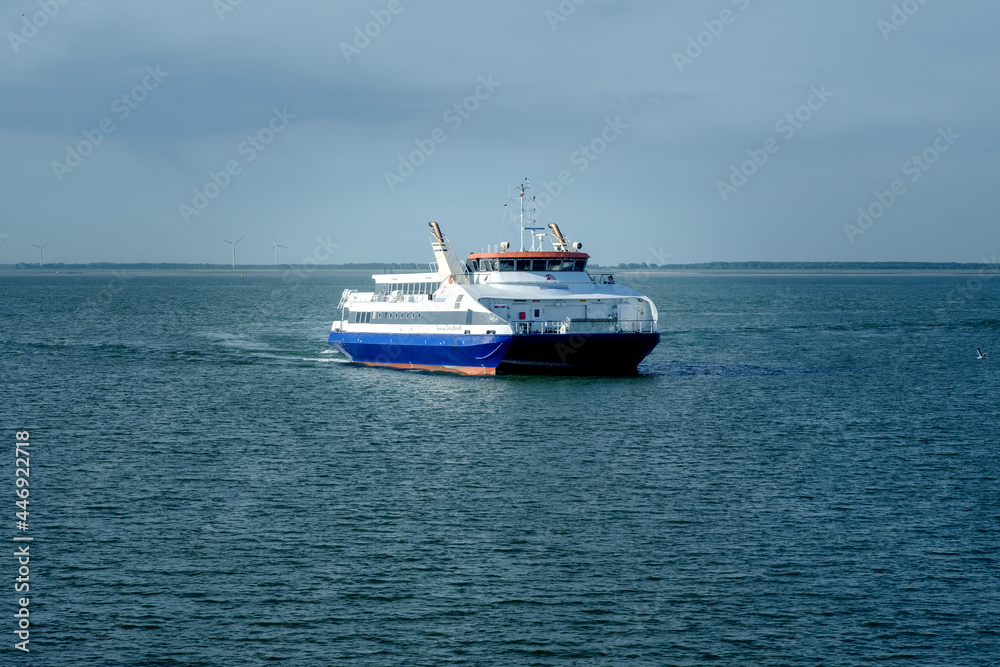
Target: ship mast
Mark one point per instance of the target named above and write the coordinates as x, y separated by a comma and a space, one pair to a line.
529, 224
522, 212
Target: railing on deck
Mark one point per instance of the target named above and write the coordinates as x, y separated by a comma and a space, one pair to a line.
585, 326
389, 297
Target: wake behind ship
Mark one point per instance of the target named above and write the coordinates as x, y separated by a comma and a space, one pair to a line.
526, 311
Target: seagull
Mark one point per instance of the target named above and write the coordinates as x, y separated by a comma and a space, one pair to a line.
981, 354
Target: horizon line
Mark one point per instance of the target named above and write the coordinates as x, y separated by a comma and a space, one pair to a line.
715, 264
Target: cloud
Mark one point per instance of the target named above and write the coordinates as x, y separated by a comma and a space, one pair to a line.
657, 185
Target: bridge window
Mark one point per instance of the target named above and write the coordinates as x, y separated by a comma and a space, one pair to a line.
524, 264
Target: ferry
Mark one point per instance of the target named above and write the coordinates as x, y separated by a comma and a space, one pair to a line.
530, 311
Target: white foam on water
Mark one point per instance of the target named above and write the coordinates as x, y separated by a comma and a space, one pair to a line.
232, 340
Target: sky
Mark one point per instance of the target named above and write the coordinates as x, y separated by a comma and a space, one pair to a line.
650, 131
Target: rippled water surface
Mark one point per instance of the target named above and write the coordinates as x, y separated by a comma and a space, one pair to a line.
805, 472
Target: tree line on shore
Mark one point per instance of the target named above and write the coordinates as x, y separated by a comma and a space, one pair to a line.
623, 266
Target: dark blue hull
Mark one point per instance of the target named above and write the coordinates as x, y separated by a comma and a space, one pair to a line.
578, 354
457, 353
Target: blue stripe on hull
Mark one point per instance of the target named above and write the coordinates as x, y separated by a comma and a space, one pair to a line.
446, 350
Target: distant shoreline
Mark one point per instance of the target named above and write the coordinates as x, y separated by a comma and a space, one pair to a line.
423, 266
701, 269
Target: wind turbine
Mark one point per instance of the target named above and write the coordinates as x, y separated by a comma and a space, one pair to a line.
233, 243
275, 250
40, 251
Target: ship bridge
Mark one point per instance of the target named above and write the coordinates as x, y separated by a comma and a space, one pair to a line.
527, 261
520, 267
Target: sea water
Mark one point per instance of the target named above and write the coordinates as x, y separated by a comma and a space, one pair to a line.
805, 471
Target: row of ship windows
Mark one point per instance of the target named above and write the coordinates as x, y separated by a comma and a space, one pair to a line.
365, 318
527, 264
409, 288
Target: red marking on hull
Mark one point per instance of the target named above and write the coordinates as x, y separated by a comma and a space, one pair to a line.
461, 370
